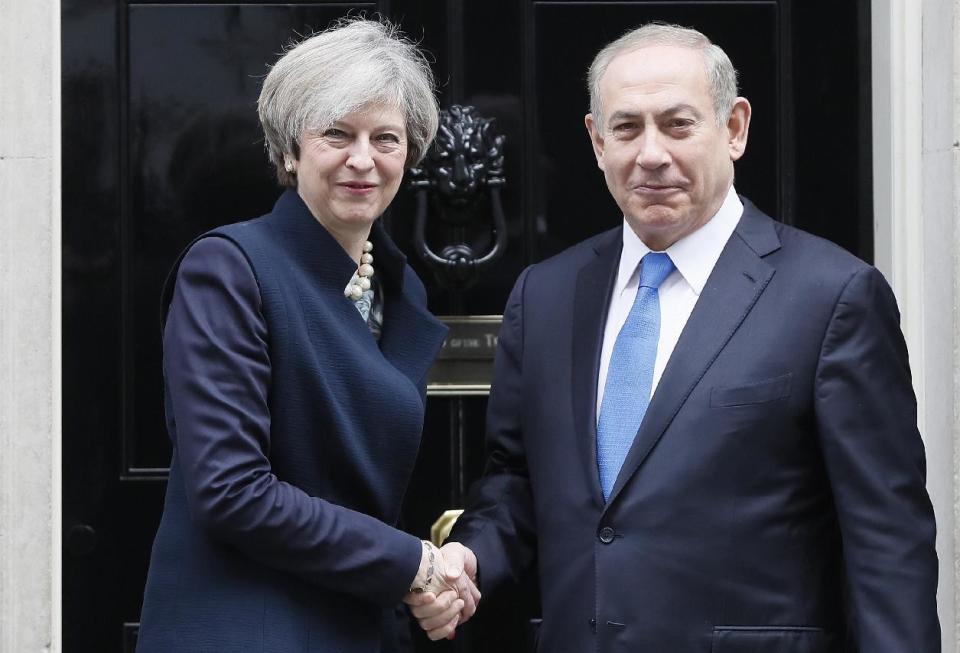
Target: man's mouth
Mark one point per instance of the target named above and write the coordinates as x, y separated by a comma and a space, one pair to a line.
656, 188
657, 185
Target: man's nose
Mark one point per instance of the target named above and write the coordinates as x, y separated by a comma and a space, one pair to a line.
360, 156
653, 152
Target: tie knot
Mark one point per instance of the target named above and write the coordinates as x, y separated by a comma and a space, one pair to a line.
655, 268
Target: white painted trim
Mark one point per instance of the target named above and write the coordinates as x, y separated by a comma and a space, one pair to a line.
897, 137
56, 333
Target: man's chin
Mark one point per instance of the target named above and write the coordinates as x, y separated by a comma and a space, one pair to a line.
657, 228
656, 216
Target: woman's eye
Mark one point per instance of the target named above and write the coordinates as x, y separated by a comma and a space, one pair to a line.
333, 132
388, 138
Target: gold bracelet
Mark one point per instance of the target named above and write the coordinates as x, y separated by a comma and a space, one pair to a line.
431, 567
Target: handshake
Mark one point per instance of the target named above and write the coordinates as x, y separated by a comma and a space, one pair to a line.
444, 593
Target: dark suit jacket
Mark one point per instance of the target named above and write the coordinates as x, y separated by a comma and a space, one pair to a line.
774, 497
294, 436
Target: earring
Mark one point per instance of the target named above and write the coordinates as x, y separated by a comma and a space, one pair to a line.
288, 165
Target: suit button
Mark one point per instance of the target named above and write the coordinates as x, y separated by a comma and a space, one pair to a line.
607, 534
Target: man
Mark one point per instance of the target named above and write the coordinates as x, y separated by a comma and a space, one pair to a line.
702, 424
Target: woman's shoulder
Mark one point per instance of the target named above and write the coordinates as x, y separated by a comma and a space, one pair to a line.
228, 247
211, 267
215, 253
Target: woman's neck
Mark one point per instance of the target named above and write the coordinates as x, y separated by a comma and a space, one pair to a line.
352, 244
350, 236
351, 240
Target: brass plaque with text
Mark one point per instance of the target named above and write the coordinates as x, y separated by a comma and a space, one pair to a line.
465, 363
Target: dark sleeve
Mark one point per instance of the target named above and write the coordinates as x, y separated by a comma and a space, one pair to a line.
867, 418
217, 372
498, 523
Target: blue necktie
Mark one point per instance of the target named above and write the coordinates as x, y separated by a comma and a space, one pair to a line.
626, 393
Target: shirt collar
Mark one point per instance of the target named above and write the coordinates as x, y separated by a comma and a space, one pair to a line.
694, 255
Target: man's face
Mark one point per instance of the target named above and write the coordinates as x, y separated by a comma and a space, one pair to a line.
667, 163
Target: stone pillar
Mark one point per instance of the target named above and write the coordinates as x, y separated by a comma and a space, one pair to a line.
29, 325
916, 175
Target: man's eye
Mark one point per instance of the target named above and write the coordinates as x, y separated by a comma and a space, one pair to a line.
624, 129
680, 123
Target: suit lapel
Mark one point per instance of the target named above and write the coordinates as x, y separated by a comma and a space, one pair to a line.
411, 336
737, 281
591, 300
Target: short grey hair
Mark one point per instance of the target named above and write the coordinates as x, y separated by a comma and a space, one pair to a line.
721, 75
354, 63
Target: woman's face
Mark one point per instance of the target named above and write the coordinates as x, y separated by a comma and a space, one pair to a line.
349, 174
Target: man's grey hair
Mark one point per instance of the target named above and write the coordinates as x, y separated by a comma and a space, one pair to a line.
353, 64
721, 75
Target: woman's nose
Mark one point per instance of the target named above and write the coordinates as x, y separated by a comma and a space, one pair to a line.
360, 156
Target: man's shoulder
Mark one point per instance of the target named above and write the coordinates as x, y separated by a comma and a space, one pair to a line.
576, 256
812, 255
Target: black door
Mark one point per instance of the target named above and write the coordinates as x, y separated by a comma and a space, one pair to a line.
158, 111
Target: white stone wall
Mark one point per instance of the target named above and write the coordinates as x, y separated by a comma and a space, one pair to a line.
29, 325
938, 259
953, 236
916, 109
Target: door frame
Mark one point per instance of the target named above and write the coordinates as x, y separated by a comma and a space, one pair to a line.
916, 179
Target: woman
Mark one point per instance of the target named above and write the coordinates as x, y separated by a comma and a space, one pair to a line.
295, 371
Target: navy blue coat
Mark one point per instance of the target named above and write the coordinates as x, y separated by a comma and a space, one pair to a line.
773, 500
294, 437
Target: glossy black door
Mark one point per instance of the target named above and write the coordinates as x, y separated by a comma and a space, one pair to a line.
158, 109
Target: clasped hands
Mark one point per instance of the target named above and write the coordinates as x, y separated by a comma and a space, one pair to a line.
444, 593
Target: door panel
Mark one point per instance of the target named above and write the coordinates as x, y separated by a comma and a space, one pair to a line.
161, 143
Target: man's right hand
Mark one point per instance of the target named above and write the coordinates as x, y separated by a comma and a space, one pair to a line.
439, 615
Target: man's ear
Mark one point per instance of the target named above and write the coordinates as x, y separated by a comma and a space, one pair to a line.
596, 139
738, 127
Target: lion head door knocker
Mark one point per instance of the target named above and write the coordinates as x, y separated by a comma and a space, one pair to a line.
464, 164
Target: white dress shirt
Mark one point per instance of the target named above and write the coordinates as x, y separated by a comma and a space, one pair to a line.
694, 256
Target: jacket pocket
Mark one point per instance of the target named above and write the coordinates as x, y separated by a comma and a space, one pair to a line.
752, 393
772, 639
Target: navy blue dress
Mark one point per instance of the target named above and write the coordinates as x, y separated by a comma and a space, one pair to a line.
294, 435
